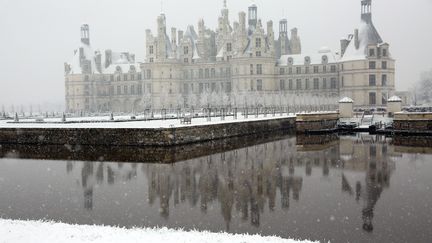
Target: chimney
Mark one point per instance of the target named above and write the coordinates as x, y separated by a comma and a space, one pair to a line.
356, 39
108, 58
180, 36
344, 44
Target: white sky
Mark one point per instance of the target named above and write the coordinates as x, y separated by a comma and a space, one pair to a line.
38, 36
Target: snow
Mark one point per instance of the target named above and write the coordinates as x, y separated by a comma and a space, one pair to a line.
37, 231
394, 99
367, 35
124, 122
346, 100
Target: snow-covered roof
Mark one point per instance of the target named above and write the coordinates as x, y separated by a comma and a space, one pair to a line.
89, 54
346, 100
193, 38
394, 99
315, 59
367, 35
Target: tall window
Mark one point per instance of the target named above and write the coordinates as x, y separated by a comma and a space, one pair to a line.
316, 69
251, 69
200, 75
259, 69
282, 84
251, 85
384, 99
299, 84
125, 77
324, 83
207, 73
298, 70
333, 83
384, 80
125, 90
258, 43
229, 47
282, 71
372, 65
290, 84
149, 74
372, 80
140, 89
151, 49
371, 52
186, 50
324, 69
384, 52
307, 83
290, 70
213, 73
384, 65
258, 53
372, 98
316, 83
133, 89
259, 85
306, 69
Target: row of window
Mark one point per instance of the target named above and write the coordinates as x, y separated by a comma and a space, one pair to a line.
373, 80
307, 70
373, 98
131, 89
206, 73
307, 84
372, 65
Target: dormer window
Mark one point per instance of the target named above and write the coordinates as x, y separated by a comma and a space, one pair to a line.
324, 59
371, 52
307, 60
384, 52
258, 43
290, 61
229, 47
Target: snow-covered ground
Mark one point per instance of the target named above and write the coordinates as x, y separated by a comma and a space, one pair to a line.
40, 232
103, 122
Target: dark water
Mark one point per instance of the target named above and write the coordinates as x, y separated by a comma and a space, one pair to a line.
347, 189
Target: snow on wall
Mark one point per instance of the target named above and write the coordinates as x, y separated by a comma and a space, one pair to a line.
36, 231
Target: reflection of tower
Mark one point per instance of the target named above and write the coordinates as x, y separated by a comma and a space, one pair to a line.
86, 173
373, 193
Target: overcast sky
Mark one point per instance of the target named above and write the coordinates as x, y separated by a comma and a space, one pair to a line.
38, 36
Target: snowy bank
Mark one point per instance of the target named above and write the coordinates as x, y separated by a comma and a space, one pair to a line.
35, 231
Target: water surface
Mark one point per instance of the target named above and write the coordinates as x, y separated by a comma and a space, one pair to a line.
349, 189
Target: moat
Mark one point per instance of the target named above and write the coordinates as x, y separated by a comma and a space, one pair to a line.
358, 188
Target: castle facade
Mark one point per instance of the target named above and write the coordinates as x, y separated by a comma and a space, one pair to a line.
244, 63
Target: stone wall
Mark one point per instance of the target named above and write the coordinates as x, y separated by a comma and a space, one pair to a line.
413, 122
142, 137
316, 122
146, 154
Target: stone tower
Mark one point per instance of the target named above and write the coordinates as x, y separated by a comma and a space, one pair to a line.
295, 43
283, 38
252, 17
366, 11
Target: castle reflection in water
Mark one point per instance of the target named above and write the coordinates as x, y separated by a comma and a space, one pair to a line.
246, 181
